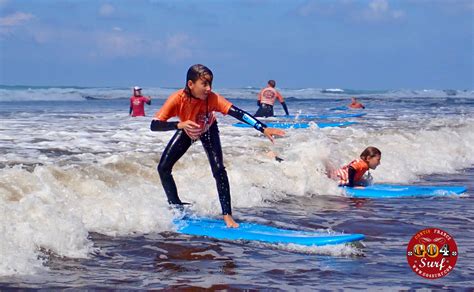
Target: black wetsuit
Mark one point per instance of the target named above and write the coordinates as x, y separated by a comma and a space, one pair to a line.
266, 110
210, 140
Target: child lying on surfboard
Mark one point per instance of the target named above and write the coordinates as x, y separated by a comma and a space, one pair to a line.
352, 174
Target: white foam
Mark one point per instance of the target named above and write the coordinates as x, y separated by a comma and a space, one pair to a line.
54, 209
33, 220
97, 172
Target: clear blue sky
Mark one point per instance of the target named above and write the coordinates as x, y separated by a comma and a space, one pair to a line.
372, 44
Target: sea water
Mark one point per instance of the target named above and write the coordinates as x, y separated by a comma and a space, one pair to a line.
82, 206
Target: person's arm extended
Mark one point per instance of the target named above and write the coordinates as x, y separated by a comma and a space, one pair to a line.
247, 118
130, 112
351, 174
157, 125
251, 120
283, 104
149, 100
282, 101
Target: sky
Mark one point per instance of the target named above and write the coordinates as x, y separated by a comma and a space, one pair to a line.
363, 44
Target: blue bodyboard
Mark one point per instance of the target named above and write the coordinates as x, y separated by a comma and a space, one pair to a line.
399, 191
262, 233
281, 125
330, 116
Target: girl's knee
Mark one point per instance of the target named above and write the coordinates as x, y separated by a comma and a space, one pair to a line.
163, 168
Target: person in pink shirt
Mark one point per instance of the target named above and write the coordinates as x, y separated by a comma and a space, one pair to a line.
266, 99
137, 102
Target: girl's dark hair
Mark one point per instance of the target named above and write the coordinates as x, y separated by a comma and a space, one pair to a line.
198, 71
272, 83
370, 152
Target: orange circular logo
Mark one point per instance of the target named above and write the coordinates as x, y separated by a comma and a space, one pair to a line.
432, 253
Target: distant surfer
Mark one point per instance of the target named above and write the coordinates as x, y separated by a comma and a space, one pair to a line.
352, 174
266, 100
137, 102
356, 104
195, 106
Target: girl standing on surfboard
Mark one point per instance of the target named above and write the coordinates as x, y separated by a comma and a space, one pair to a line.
352, 173
195, 106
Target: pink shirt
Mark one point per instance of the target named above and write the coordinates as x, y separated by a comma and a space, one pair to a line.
268, 95
137, 103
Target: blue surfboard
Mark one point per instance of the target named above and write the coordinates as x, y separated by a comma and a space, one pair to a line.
330, 116
399, 191
297, 125
262, 233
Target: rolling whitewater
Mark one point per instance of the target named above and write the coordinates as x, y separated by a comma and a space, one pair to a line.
82, 205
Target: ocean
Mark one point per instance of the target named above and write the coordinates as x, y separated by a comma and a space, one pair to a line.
82, 205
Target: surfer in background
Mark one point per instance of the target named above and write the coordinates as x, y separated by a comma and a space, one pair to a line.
355, 104
266, 100
137, 102
195, 106
352, 174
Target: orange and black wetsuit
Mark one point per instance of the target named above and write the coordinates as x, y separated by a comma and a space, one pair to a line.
356, 105
352, 173
187, 107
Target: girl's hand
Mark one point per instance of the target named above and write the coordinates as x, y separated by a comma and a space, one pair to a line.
188, 125
270, 132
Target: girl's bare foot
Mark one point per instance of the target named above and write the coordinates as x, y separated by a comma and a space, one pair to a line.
229, 221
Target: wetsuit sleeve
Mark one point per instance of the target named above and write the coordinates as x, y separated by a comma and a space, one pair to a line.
148, 100
246, 118
169, 108
222, 105
351, 172
157, 125
283, 104
280, 97
131, 107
